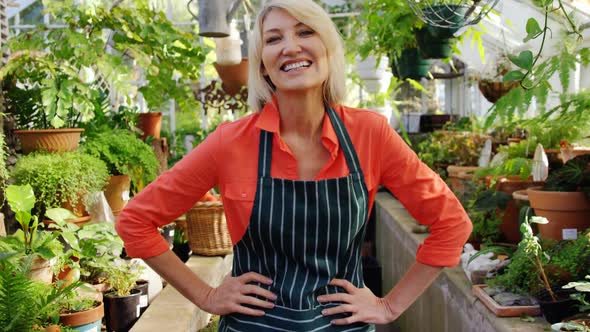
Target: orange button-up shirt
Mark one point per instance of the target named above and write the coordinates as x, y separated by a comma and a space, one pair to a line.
228, 157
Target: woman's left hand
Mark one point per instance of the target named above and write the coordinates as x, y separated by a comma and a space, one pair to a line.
361, 303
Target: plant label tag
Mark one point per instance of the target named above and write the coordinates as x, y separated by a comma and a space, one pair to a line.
137, 311
171, 233
143, 301
569, 233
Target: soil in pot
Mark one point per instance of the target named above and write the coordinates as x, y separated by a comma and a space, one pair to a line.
556, 311
121, 312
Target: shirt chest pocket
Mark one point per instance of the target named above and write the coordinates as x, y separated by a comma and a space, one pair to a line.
240, 191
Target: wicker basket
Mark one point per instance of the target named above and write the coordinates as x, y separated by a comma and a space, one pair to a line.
207, 230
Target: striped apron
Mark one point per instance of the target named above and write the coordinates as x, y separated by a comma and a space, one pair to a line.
303, 234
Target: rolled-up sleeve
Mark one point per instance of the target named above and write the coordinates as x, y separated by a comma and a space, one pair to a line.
427, 198
172, 194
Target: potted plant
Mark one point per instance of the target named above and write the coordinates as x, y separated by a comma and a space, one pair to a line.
93, 248
564, 200
491, 82
34, 249
131, 163
555, 304
55, 75
122, 303
581, 321
61, 180
181, 245
26, 305
397, 41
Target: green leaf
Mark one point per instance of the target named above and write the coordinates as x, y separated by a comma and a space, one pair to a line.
524, 59
515, 75
20, 198
533, 29
59, 215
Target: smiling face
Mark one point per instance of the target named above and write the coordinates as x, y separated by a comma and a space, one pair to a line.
293, 55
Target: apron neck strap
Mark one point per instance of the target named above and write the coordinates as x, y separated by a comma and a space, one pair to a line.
266, 139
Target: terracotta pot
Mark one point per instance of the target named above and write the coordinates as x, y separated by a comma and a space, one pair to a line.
234, 77
51, 140
41, 270
53, 328
150, 124
82, 318
510, 227
459, 177
567, 212
117, 188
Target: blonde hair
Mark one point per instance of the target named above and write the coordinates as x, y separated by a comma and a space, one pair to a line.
260, 88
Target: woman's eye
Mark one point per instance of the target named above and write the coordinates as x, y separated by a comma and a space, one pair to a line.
306, 32
270, 40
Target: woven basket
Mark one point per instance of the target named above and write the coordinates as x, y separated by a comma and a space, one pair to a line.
207, 229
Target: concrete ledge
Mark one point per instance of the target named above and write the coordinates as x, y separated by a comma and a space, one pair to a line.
448, 304
170, 311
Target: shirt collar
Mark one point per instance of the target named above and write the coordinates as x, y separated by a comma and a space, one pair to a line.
269, 120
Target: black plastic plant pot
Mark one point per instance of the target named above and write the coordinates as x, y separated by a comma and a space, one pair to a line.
444, 20
167, 233
183, 251
121, 312
433, 47
411, 64
556, 311
144, 300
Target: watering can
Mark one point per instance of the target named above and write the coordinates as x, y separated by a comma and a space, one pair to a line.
215, 15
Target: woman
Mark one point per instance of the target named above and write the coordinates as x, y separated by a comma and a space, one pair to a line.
298, 179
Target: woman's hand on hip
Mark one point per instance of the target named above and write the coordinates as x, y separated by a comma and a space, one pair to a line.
360, 303
234, 292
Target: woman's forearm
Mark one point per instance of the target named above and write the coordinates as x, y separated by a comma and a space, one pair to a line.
410, 287
177, 274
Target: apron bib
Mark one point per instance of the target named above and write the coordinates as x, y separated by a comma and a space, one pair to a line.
303, 234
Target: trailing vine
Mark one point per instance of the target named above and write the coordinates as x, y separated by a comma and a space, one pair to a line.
534, 74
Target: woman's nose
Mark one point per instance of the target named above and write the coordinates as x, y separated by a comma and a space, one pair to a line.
291, 46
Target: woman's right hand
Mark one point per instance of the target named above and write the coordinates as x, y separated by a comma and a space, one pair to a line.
234, 292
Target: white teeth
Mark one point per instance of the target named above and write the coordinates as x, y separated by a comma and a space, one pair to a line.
296, 65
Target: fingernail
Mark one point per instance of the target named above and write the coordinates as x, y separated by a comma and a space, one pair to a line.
324, 312
269, 281
274, 297
320, 298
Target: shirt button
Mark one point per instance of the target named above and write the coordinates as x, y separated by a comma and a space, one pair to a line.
243, 195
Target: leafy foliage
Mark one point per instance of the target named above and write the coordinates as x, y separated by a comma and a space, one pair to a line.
564, 261
124, 154
574, 175
454, 148
63, 67
122, 276
387, 27
60, 178
27, 241
25, 304
3, 170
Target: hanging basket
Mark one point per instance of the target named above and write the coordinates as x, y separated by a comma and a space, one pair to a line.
433, 47
207, 229
234, 77
411, 65
493, 90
